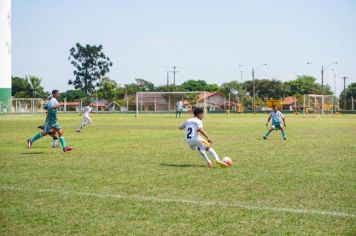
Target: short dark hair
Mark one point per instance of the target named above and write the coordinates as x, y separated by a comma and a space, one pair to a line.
197, 111
54, 91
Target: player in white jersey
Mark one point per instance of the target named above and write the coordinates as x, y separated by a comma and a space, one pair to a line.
179, 108
193, 127
86, 118
277, 118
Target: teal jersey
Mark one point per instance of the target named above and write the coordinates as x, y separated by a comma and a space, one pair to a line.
51, 120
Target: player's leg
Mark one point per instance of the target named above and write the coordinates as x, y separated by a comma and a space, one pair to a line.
205, 157
54, 136
283, 133
65, 147
204, 144
194, 145
34, 138
269, 132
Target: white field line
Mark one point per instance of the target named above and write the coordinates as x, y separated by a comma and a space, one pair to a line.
184, 201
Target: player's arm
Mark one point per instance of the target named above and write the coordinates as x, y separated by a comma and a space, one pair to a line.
269, 118
200, 130
182, 126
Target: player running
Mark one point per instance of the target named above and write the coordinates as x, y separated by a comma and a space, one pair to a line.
277, 118
51, 123
193, 127
53, 132
86, 118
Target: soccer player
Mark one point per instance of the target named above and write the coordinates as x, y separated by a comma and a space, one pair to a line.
277, 118
179, 108
51, 123
86, 118
53, 132
193, 127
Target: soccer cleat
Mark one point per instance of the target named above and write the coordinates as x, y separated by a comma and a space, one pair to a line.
221, 164
29, 143
284, 138
264, 137
67, 149
55, 146
78, 130
210, 164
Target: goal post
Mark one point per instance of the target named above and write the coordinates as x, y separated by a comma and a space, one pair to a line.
314, 104
165, 102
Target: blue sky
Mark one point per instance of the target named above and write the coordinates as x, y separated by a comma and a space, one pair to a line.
205, 39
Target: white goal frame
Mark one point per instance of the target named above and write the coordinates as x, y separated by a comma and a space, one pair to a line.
154, 95
310, 100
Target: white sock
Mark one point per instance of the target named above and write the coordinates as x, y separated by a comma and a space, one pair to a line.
206, 158
54, 142
214, 154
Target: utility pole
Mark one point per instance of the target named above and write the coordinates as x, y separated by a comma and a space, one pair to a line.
167, 78
322, 80
174, 71
344, 78
174, 75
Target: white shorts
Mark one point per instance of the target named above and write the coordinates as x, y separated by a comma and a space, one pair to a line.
87, 120
198, 143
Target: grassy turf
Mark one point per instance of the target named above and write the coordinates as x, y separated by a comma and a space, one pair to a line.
132, 176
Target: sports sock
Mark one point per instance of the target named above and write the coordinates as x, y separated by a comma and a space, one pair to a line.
283, 133
54, 142
63, 142
206, 158
267, 133
214, 154
37, 136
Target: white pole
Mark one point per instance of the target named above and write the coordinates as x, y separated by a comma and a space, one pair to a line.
136, 104
5, 53
205, 107
304, 105
169, 103
322, 105
141, 100
127, 104
65, 104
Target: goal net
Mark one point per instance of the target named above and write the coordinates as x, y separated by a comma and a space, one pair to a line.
165, 102
27, 105
318, 104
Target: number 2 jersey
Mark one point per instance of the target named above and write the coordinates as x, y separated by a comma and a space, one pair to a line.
191, 127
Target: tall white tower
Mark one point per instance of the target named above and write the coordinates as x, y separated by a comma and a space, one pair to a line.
5, 54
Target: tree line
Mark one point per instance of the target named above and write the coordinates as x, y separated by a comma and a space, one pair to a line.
90, 80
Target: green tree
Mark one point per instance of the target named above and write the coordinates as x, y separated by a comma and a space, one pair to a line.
305, 85
141, 85
110, 90
350, 92
28, 87
234, 88
72, 95
199, 85
90, 64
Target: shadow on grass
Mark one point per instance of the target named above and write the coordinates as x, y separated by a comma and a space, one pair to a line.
30, 153
181, 165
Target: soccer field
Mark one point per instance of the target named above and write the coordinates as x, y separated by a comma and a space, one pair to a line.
129, 176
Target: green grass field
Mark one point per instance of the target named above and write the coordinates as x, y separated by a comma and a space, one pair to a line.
129, 176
